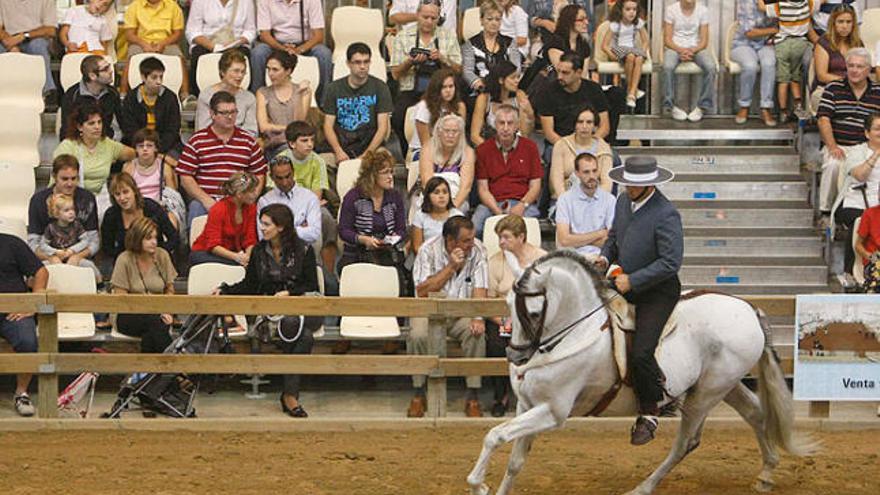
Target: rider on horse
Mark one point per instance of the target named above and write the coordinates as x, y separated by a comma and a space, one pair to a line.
646, 240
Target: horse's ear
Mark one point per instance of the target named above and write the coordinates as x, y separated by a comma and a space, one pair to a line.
543, 276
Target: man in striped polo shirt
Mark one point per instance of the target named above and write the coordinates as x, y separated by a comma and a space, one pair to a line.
841, 114
216, 152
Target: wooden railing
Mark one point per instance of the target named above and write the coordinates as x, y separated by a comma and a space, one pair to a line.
48, 363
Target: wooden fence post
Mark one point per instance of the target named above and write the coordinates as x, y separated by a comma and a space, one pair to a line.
47, 381
820, 409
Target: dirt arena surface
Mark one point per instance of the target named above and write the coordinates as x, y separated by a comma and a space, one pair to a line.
420, 461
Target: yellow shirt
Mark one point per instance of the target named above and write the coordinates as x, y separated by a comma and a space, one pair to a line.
154, 23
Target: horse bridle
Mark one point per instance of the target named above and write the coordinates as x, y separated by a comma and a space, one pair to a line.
533, 328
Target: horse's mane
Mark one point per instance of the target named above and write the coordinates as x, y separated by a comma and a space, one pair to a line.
568, 254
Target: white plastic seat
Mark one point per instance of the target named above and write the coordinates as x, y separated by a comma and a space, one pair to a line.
350, 24
208, 71
173, 78
858, 268
204, 278
317, 334
490, 238
69, 279
470, 23
368, 280
22, 77
197, 227
307, 69
346, 176
606, 66
733, 67
869, 30
13, 226
70, 73
20, 130
16, 189
378, 69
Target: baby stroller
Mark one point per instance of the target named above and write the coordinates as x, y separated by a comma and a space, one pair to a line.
173, 394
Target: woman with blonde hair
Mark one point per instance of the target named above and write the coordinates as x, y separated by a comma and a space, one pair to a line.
829, 53
448, 155
231, 230
128, 205
144, 268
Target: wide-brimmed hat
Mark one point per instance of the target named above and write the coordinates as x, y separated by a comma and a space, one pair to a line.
640, 171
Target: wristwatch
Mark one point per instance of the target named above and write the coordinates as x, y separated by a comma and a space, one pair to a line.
27, 36
526, 204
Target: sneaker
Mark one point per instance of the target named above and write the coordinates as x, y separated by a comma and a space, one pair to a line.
639, 94
846, 280
696, 115
801, 113
643, 431
189, 103
679, 114
631, 101
24, 406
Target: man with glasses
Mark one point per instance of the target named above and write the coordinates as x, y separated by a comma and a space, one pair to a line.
95, 87
28, 26
213, 154
403, 13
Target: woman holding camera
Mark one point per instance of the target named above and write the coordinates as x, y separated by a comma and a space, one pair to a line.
283, 265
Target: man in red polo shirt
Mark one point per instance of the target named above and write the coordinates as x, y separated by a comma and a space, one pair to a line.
509, 171
213, 154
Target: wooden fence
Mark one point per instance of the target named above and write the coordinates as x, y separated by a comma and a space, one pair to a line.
48, 363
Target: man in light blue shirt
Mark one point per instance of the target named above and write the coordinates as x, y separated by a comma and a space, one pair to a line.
585, 212
303, 203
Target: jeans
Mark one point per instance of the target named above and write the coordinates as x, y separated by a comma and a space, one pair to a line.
196, 209
21, 334
751, 61
199, 257
482, 213
707, 86
38, 46
260, 55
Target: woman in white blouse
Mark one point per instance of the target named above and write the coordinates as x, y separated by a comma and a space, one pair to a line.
216, 26
233, 69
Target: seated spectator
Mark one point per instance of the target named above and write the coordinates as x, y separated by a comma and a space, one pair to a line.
515, 25
862, 178
96, 88
821, 18
212, 26
502, 88
454, 263
155, 26
504, 268
302, 202
283, 265
64, 180
233, 68
752, 49
685, 39
544, 14
841, 115
212, 155
155, 177
295, 28
568, 37
357, 108
436, 208
867, 243
420, 49
128, 206
509, 171
144, 268
65, 240
231, 230
484, 50
372, 218
18, 264
403, 13
29, 27
441, 98
153, 106
95, 151
449, 156
627, 43
583, 140
585, 213
281, 103
829, 54
85, 28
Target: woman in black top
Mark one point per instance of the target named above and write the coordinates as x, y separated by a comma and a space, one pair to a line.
283, 265
483, 51
570, 36
127, 206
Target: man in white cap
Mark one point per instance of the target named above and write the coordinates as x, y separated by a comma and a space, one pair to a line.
646, 240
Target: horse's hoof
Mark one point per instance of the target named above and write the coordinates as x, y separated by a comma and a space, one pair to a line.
483, 489
763, 486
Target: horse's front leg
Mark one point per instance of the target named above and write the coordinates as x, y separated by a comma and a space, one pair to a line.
531, 422
521, 448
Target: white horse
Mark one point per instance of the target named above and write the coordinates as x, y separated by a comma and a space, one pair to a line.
567, 369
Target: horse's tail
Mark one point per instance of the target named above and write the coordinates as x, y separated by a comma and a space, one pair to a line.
777, 404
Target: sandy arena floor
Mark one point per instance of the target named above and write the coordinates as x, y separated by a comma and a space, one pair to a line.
421, 461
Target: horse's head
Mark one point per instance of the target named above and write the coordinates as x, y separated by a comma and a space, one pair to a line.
549, 295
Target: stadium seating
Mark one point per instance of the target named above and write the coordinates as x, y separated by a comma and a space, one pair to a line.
16, 190
490, 238
204, 278
20, 130
858, 271
320, 331
368, 280
13, 226
208, 71
195, 230
470, 23
22, 77
606, 66
351, 24
173, 78
869, 30
346, 176
378, 69
69, 279
70, 72
306, 70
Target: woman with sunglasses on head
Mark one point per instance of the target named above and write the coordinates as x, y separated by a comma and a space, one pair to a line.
829, 54
484, 50
231, 230
502, 87
448, 155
